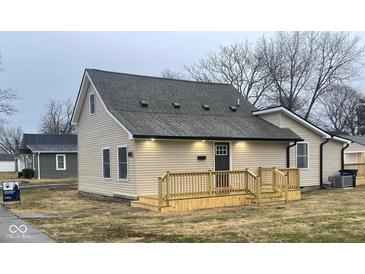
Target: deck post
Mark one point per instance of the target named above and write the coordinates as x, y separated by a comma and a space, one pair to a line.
210, 182
167, 187
286, 185
260, 174
245, 182
258, 193
160, 192
273, 179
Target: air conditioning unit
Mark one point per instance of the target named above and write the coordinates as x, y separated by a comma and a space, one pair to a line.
341, 181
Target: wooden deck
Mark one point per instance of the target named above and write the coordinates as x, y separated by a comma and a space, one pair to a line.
197, 190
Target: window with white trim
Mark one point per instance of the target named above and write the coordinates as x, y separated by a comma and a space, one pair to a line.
302, 155
60, 162
106, 163
92, 103
122, 163
221, 150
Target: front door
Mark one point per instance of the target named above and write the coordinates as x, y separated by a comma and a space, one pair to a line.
222, 163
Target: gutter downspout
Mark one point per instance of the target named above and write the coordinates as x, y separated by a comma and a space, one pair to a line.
343, 156
288, 154
321, 162
39, 166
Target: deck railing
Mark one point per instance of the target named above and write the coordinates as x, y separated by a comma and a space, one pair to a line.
293, 176
181, 185
280, 182
359, 166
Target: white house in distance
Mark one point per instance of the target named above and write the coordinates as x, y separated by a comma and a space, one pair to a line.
355, 153
133, 128
7, 161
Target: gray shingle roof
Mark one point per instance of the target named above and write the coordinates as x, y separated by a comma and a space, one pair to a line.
122, 94
6, 157
356, 138
49, 143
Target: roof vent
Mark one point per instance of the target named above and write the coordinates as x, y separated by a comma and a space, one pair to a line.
143, 103
176, 105
233, 108
206, 107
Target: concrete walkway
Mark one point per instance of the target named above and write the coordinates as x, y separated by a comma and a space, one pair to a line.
15, 230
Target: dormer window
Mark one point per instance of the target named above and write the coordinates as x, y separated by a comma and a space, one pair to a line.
92, 103
206, 107
176, 105
233, 108
143, 103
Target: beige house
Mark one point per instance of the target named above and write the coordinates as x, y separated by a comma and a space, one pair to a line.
133, 129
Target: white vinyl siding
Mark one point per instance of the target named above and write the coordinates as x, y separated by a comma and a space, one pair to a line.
331, 159
355, 147
252, 155
353, 157
60, 162
155, 158
7, 166
310, 176
96, 132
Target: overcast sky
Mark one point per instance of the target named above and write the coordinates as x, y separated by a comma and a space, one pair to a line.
44, 65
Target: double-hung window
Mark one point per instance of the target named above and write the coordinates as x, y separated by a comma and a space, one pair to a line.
60, 162
122, 163
302, 155
106, 163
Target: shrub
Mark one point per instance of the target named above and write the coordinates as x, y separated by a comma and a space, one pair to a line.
28, 173
20, 174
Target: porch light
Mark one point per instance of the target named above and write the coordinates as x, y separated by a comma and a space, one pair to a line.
203, 141
152, 139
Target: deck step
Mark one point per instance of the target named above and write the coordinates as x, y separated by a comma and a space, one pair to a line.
270, 198
271, 195
274, 203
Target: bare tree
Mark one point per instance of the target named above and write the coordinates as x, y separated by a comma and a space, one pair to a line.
170, 74
338, 111
294, 69
305, 65
338, 61
361, 117
10, 138
57, 119
287, 58
7, 95
238, 65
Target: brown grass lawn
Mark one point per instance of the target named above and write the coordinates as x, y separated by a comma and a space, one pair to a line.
322, 216
13, 176
49, 181
8, 176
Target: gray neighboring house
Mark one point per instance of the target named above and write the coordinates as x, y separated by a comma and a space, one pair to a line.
51, 156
